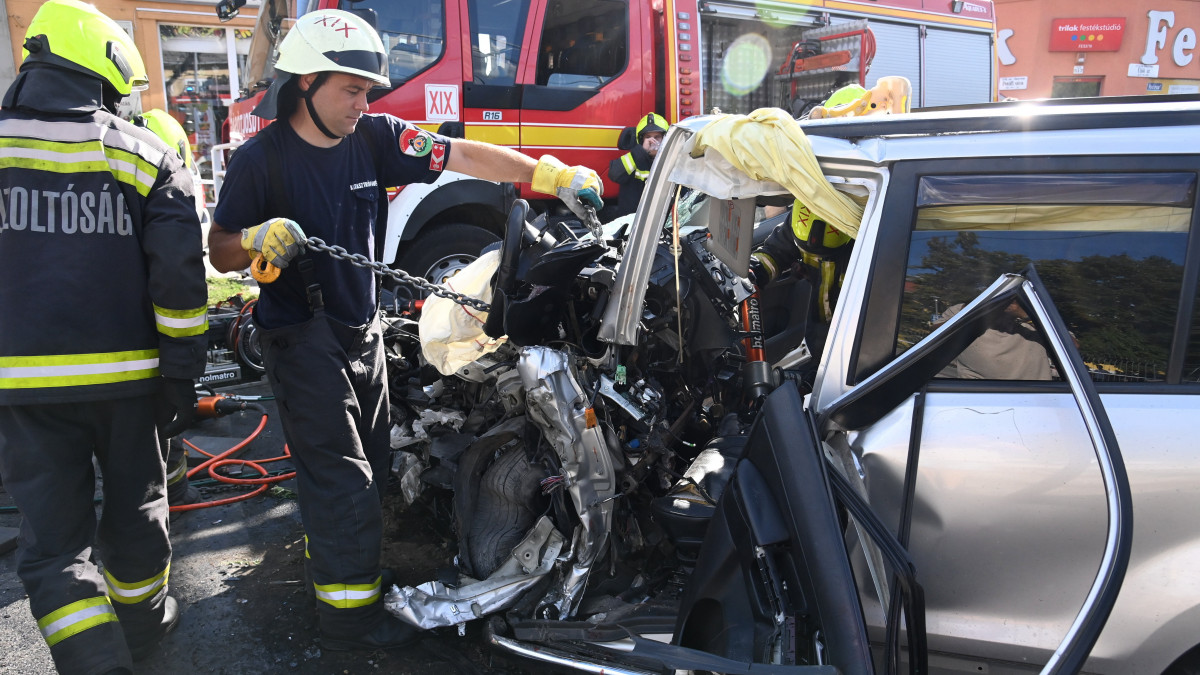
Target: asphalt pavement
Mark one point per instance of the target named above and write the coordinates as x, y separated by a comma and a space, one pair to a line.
238, 575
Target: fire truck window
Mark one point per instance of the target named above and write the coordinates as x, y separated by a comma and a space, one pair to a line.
584, 44
1109, 247
414, 33
496, 29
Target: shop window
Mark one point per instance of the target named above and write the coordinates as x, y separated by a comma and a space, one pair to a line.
1076, 87
1110, 248
583, 44
197, 66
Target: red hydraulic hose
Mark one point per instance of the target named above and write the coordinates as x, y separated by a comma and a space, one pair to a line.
222, 405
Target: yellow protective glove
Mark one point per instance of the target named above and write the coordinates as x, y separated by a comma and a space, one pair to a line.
574, 185
278, 240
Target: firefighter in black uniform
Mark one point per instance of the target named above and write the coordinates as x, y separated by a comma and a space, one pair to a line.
631, 169
104, 303
815, 250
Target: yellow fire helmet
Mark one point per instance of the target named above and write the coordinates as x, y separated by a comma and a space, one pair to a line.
847, 94
76, 36
169, 129
824, 239
650, 122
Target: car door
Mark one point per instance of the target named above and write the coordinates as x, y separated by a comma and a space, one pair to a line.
588, 75
497, 33
1008, 516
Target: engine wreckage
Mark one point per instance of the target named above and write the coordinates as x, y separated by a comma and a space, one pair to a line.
589, 428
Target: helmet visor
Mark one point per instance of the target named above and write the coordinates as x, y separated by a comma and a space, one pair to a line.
360, 59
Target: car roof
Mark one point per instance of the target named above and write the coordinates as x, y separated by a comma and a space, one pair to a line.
1038, 115
1162, 125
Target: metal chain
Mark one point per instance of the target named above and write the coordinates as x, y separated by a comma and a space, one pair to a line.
360, 260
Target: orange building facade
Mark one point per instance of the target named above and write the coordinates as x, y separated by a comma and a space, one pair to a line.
192, 58
1059, 48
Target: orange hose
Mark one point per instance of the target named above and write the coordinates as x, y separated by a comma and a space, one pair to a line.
223, 459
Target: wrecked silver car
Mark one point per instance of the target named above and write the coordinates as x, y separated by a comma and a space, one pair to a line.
633, 492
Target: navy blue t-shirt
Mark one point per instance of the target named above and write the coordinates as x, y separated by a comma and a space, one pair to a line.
333, 194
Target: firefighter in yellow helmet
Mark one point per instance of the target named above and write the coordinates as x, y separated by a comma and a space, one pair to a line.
631, 169
169, 130
98, 217
166, 127
816, 245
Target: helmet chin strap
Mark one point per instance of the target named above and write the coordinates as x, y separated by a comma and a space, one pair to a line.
312, 111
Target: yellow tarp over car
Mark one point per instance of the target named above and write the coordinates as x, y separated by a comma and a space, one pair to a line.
769, 145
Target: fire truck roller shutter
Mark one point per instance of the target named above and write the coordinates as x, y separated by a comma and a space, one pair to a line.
897, 52
958, 69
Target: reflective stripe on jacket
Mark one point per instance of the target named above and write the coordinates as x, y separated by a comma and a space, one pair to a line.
631, 167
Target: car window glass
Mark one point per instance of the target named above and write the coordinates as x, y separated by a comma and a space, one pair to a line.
583, 44
496, 29
1110, 248
413, 33
1191, 360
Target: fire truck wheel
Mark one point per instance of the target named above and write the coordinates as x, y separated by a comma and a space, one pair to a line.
444, 250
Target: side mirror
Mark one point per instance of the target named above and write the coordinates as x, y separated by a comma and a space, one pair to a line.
366, 14
627, 139
452, 130
227, 9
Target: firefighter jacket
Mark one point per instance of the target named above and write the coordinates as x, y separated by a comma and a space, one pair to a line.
821, 251
630, 172
101, 265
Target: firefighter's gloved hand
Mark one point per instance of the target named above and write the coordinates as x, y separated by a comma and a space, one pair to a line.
759, 272
278, 240
576, 186
177, 406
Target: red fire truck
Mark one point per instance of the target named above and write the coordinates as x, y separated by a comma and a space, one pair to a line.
565, 77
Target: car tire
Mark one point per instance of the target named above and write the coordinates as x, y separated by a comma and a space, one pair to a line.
443, 250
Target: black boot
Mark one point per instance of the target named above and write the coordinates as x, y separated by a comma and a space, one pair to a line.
143, 642
388, 633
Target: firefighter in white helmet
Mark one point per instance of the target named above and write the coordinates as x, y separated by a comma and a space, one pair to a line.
320, 170
105, 313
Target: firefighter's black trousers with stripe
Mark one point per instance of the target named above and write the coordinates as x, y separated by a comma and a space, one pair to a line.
330, 385
46, 455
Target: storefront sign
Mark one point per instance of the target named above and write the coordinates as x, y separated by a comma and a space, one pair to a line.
1011, 83
1182, 45
1142, 70
1077, 35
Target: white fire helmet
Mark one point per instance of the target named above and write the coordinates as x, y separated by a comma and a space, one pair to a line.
327, 41
337, 41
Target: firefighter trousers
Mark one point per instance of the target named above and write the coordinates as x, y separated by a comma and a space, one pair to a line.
46, 451
330, 386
